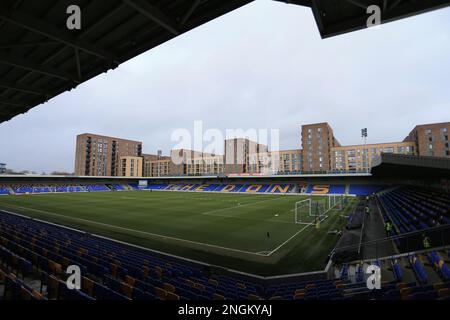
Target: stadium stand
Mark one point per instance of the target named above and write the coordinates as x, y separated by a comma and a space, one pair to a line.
326, 189
364, 190
409, 278
411, 209
358, 190
38, 188
31, 249
235, 188
4, 190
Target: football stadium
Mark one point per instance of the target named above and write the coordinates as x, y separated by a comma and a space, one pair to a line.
331, 222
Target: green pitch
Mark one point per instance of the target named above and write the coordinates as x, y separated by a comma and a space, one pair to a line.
251, 233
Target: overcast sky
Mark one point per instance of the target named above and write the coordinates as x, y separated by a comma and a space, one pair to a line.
262, 66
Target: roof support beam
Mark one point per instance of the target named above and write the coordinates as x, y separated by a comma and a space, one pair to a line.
25, 89
78, 63
189, 13
27, 44
41, 27
153, 14
12, 103
358, 4
26, 65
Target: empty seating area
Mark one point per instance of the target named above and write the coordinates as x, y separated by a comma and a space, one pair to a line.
40, 252
412, 209
409, 277
326, 189
4, 190
364, 190
231, 188
306, 290
57, 188
34, 256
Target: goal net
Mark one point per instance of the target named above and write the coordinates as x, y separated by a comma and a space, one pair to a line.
313, 210
310, 211
302, 210
335, 202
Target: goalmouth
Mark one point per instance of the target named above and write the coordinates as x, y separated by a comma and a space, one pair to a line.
312, 211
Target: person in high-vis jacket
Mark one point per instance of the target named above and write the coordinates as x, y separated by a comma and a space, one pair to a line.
426, 241
388, 226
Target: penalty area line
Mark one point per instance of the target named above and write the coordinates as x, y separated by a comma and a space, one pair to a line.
292, 237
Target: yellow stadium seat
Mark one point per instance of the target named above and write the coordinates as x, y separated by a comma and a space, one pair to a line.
240, 285
400, 285
169, 288
172, 296
88, 286
299, 291
439, 285
405, 291
217, 296
127, 290
160, 293
213, 282
444, 292
130, 280
37, 295
199, 286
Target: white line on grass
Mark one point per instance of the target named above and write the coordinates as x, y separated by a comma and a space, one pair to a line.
229, 208
298, 232
134, 231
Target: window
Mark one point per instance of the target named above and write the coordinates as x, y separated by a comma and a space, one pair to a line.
427, 131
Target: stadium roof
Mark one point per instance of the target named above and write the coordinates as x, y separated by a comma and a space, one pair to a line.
40, 58
397, 165
342, 16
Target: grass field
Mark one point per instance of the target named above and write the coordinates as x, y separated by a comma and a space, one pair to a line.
229, 230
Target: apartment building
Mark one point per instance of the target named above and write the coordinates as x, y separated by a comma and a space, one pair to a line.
273, 162
238, 152
317, 141
206, 164
431, 139
130, 166
98, 155
156, 165
320, 152
359, 158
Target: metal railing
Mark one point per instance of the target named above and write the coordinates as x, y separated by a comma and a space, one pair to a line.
405, 243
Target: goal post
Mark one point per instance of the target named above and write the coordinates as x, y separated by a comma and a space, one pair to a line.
302, 210
316, 209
